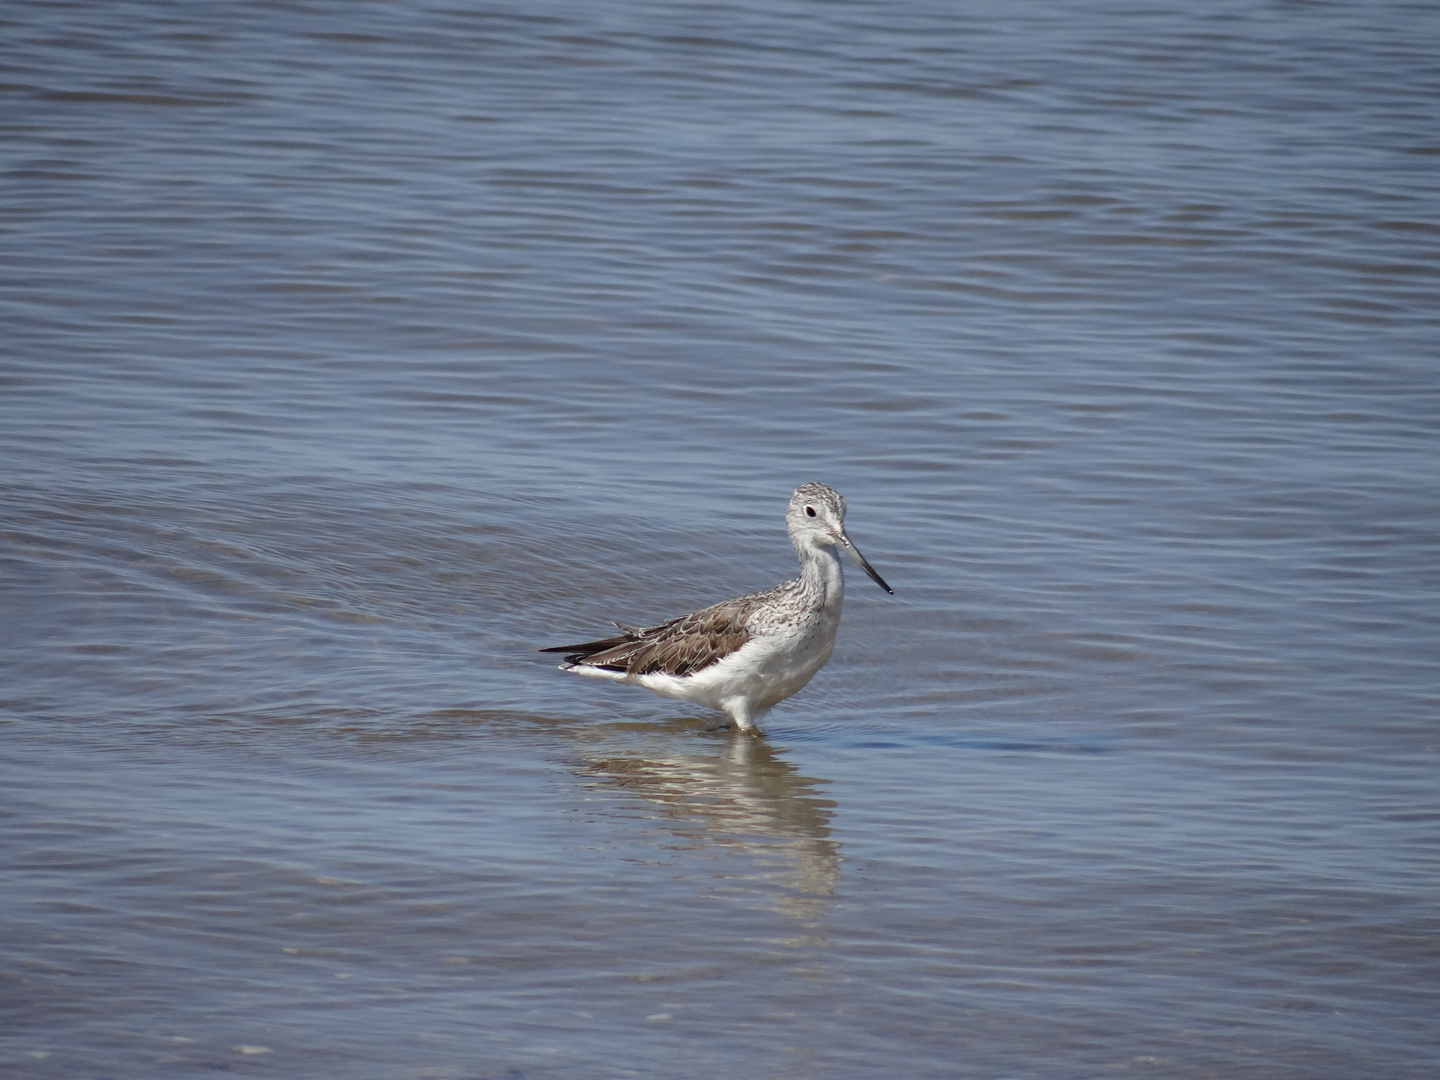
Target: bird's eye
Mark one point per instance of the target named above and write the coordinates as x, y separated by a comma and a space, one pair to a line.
809, 511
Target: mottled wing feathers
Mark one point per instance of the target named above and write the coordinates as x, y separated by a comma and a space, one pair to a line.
678, 647
689, 643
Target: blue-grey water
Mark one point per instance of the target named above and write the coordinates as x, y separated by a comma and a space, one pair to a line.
351, 352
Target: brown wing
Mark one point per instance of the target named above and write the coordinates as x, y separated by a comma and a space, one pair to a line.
677, 647
689, 643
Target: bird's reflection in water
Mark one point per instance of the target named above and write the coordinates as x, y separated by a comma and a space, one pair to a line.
733, 793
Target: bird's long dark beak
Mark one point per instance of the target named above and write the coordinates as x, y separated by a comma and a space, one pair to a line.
854, 553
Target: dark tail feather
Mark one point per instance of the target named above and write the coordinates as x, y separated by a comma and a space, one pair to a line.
579, 653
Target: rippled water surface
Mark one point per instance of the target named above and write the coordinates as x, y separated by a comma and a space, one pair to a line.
352, 352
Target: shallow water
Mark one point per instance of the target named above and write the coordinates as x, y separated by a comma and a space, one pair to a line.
355, 352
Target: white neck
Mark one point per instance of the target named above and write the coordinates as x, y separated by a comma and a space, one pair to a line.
820, 574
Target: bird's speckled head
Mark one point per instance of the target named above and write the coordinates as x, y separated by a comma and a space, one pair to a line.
816, 519
816, 515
